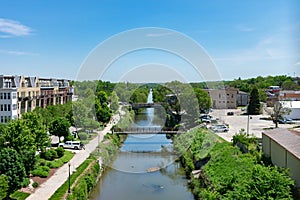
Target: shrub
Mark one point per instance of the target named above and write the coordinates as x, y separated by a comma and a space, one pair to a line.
35, 184
26, 182
60, 151
83, 136
50, 154
41, 171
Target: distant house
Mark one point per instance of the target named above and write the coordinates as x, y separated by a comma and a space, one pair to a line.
283, 147
223, 98
294, 108
242, 98
289, 95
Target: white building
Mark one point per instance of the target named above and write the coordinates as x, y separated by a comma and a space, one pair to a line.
294, 107
8, 100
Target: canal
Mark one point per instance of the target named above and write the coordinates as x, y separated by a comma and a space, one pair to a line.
127, 177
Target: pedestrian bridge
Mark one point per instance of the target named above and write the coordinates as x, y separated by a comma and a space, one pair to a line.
145, 130
136, 106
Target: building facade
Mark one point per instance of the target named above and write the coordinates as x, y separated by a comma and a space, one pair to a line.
19, 94
223, 98
282, 146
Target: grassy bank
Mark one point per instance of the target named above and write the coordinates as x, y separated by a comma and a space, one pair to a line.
227, 173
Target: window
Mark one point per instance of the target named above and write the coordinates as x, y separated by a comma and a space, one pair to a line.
14, 95
5, 107
15, 106
2, 119
232, 96
1, 107
8, 95
1, 95
8, 107
4, 95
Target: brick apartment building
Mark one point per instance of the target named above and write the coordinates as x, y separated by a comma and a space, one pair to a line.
19, 94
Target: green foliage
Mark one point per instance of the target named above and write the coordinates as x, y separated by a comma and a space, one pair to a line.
19, 195
60, 151
243, 138
254, 104
103, 113
68, 155
290, 85
114, 102
3, 186
83, 136
60, 127
34, 122
50, 154
28, 159
18, 136
85, 183
41, 171
237, 176
11, 165
258, 82
35, 184
60, 192
204, 100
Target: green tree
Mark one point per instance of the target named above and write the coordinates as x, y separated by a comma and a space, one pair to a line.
277, 112
254, 104
102, 97
11, 165
80, 113
18, 136
36, 127
290, 85
60, 127
204, 99
103, 113
3, 186
114, 102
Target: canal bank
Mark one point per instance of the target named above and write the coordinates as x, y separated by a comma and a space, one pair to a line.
129, 176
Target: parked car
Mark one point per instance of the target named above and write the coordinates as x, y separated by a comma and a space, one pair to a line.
230, 113
219, 128
72, 145
285, 121
205, 118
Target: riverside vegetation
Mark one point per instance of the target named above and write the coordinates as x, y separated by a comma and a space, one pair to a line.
228, 173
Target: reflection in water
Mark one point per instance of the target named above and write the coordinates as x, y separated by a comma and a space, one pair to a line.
128, 178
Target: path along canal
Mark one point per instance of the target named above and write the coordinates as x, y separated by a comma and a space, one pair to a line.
127, 177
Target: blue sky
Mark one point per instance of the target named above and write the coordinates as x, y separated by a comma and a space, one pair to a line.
243, 38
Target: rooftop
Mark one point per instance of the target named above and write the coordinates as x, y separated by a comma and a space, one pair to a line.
289, 140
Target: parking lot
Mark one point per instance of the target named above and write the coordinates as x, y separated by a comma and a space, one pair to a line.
238, 121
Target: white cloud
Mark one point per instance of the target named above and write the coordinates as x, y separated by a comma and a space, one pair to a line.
297, 63
17, 53
10, 28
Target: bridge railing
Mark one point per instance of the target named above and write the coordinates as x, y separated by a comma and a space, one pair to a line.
144, 130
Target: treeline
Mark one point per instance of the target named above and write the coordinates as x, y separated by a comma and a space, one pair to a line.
246, 85
228, 173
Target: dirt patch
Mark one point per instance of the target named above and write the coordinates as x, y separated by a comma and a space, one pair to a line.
39, 180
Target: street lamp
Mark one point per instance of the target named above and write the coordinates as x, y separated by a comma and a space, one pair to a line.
69, 164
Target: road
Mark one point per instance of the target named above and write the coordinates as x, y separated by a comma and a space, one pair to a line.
47, 189
239, 121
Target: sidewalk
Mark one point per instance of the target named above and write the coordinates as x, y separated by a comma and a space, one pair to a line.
47, 189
